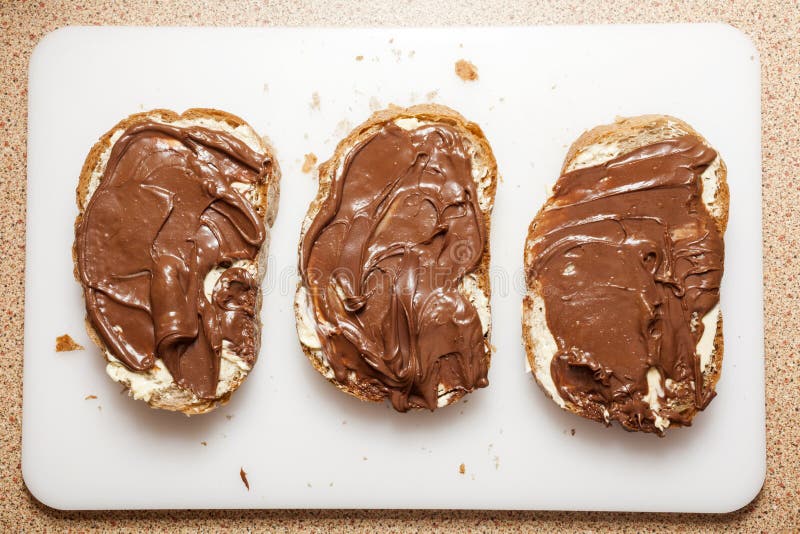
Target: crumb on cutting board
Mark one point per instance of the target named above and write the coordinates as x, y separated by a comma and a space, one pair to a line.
314, 100
359, 57
431, 95
65, 343
90, 397
374, 104
309, 160
204, 443
244, 478
462, 469
466, 70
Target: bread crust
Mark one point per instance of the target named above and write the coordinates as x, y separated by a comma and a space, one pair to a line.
631, 133
436, 113
267, 207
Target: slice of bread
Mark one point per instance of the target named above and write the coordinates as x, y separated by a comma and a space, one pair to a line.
156, 386
595, 147
474, 286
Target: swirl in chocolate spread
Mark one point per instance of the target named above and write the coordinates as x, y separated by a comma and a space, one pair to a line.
165, 213
629, 261
382, 262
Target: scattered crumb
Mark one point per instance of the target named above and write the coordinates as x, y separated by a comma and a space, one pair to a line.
65, 344
431, 95
204, 444
391, 40
305, 136
472, 477
497, 462
364, 458
99, 408
90, 397
397, 54
359, 58
244, 478
411, 53
314, 100
462, 469
344, 422
308, 484
374, 104
466, 70
572, 432
228, 417
309, 162
461, 45
330, 485
343, 127
553, 87
266, 88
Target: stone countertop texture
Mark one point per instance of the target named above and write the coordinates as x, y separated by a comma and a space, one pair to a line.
773, 25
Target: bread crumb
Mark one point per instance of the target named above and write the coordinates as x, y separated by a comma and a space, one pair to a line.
342, 128
364, 458
314, 100
330, 485
244, 478
310, 160
359, 58
90, 397
228, 417
204, 444
374, 104
466, 70
462, 469
266, 88
431, 95
411, 53
497, 462
65, 344
572, 432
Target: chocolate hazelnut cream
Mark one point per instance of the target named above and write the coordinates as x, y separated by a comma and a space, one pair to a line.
382, 262
169, 209
628, 261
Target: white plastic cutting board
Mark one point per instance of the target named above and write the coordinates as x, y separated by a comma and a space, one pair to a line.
303, 443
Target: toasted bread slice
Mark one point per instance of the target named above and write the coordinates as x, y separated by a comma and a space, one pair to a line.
474, 286
156, 386
595, 147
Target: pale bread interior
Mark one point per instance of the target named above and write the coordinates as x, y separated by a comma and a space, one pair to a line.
156, 386
620, 138
474, 286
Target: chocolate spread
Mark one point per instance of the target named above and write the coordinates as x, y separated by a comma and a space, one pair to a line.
166, 212
629, 261
382, 262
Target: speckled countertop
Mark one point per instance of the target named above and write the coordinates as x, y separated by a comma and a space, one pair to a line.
773, 25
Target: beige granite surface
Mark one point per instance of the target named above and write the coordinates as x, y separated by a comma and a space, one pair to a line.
772, 24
